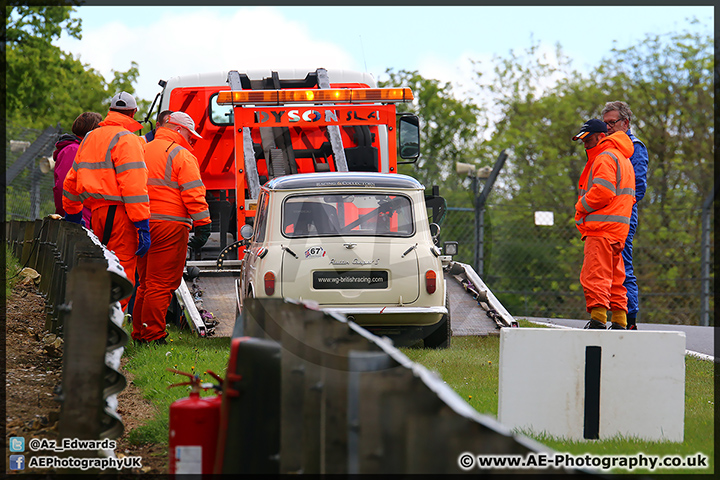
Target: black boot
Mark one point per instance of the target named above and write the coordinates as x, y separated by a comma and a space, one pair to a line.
595, 325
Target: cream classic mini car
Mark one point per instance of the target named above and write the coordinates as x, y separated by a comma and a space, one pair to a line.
356, 243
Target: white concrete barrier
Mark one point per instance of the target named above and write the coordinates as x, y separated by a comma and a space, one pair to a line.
593, 384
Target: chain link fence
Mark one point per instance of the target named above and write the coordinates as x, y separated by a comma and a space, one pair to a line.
28, 193
534, 268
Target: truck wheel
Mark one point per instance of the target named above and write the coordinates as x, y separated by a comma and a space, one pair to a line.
441, 335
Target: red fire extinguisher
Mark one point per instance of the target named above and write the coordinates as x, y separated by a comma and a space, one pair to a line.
194, 424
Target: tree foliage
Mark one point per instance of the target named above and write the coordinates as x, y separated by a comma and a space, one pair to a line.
666, 80
27, 23
671, 76
449, 133
532, 122
44, 85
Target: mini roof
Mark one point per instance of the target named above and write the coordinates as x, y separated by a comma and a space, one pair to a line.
344, 180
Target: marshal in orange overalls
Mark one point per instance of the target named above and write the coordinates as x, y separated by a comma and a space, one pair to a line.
177, 202
109, 170
602, 214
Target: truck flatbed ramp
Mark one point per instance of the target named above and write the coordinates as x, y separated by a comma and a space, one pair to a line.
474, 310
209, 301
218, 296
467, 318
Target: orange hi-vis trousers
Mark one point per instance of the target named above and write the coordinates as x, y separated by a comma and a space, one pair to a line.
160, 273
123, 240
603, 274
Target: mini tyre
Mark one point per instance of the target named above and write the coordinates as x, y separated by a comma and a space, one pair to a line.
442, 332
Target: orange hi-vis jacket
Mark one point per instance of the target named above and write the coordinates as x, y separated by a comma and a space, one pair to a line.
607, 189
177, 193
109, 169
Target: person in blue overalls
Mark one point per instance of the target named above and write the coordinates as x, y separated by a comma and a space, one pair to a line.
617, 117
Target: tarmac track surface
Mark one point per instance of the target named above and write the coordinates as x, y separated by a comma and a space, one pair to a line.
698, 340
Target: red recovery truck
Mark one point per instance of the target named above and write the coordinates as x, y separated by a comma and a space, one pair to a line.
260, 124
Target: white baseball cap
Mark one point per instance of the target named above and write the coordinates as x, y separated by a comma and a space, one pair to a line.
184, 120
123, 101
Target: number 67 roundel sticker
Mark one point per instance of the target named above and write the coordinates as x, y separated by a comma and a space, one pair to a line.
315, 252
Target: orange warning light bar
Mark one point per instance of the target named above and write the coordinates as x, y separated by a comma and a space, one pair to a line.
328, 95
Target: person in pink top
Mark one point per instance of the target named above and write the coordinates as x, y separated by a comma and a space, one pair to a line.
65, 150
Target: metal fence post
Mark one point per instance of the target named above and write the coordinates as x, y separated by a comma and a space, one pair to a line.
478, 234
15, 235
34, 252
481, 197
85, 336
35, 191
336, 343
46, 253
705, 258
293, 435
373, 377
481, 242
314, 391
27, 244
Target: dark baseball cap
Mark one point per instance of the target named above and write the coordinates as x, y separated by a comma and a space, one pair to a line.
591, 126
